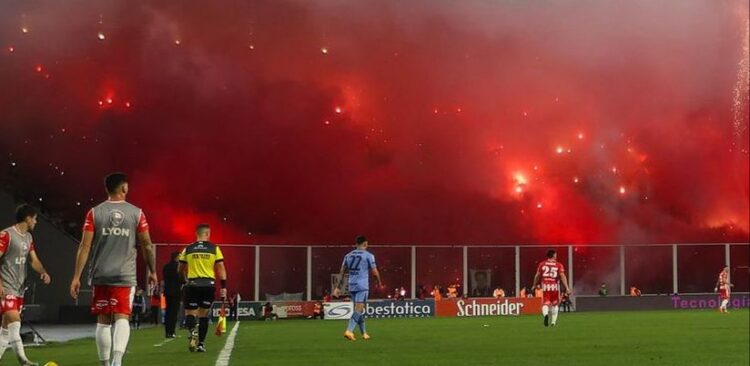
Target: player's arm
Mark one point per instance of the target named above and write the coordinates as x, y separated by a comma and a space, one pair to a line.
182, 271
221, 275
220, 271
564, 280
374, 270
182, 268
81, 257
4, 241
342, 272
147, 249
37, 265
149, 256
376, 274
536, 279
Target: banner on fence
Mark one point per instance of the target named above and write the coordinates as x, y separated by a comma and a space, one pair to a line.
293, 309
337, 310
246, 310
400, 309
506, 306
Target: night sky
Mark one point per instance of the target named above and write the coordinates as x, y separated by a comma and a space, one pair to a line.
417, 122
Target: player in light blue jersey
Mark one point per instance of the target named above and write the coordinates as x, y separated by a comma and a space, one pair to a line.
359, 264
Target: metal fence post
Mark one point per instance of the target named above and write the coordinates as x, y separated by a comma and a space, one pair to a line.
622, 270
466, 268
727, 254
309, 273
413, 272
256, 295
570, 265
675, 287
518, 270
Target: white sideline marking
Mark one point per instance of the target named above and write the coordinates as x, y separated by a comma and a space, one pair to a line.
226, 352
164, 342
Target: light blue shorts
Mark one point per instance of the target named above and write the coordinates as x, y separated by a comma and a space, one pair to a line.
359, 297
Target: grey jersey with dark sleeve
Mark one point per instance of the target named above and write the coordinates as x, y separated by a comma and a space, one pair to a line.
115, 225
16, 248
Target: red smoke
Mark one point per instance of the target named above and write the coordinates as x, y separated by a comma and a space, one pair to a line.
286, 122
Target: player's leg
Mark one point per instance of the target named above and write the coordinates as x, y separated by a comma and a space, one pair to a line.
207, 300
554, 307
4, 338
120, 337
361, 310
155, 313
173, 306
545, 307
191, 322
11, 328
191, 313
357, 316
101, 307
354, 320
103, 338
554, 311
202, 329
121, 308
12, 321
137, 316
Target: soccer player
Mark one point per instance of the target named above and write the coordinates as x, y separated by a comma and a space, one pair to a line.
359, 263
723, 285
16, 248
551, 273
111, 230
200, 263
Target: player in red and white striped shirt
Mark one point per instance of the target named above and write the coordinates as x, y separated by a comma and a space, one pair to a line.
552, 273
723, 286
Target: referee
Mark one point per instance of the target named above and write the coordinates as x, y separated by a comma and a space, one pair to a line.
200, 264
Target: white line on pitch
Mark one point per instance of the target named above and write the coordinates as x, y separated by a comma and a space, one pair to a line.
226, 352
164, 342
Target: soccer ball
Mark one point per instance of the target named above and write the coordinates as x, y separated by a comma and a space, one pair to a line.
51, 363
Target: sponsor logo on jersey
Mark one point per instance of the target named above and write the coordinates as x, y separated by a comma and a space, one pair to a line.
115, 231
116, 218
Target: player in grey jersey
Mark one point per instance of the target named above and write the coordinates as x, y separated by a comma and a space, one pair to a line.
112, 230
16, 247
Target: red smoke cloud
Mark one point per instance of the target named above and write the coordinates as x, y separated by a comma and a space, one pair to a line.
427, 122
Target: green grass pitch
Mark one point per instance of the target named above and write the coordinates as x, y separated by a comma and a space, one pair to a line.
697, 337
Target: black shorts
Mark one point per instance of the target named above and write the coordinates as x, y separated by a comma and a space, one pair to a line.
199, 297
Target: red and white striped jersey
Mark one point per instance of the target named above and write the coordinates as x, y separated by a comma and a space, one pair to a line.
550, 270
723, 279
